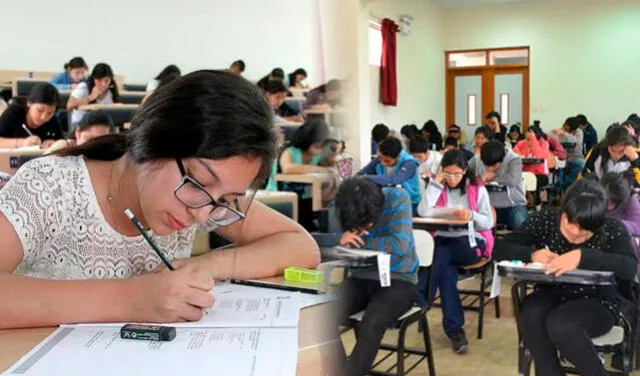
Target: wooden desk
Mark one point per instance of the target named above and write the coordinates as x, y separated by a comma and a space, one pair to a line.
434, 224
316, 180
318, 345
95, 107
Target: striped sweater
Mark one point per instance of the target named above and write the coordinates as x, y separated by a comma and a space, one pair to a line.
392, 233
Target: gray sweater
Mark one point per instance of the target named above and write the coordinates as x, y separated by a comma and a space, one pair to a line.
509, 174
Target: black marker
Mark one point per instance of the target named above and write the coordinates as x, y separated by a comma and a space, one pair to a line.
136, 222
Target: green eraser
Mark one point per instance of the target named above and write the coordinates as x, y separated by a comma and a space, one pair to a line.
295, 274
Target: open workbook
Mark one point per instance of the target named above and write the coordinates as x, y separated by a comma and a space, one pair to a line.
250, 332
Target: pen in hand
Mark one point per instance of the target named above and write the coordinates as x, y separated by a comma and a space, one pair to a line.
145, 234
27, 130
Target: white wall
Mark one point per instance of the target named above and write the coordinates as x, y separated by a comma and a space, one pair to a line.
139, 37
420, 66
584, 53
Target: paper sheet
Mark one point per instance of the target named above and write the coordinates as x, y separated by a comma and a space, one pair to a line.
306, 300
232, 310
81, 351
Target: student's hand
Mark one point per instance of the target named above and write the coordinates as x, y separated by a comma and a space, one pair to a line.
427, 175
295, 119
631, 153
352, 238
462, 214
29, 141
564, 263
530, 136
97, 93
171, 296
477, 150
488, 176
558, 131
543, 256
47, 143
439, 177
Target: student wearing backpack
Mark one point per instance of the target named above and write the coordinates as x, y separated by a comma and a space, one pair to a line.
455, 186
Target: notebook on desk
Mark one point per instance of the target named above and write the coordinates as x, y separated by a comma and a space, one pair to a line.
354, 257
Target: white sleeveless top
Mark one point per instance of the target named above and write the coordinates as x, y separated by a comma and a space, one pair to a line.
54, 210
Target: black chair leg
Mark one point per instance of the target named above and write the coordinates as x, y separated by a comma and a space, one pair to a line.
400, 351
427, 346
496, 303
483, 276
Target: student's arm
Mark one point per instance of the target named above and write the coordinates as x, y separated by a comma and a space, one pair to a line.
513, 177
632, 220
430, 197
80, 97
267, 243
539, 151
327, 240
406, 171
370, 168
483, 217
579, 139
287, 167
568, 137
519, 244
521, 148
621, 260
11, 118
395, 237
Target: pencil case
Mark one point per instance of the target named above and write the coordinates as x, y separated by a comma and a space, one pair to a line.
296, 274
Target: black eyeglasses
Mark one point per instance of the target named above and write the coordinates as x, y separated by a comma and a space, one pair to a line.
223, 212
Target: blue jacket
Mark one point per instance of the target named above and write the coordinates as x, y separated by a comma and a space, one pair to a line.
62, 81
405, 174
392, 233
589, 138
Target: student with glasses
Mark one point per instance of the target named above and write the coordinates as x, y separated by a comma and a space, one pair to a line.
70, 254
456, 187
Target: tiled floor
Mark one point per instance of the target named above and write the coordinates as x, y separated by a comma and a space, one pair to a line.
494, 355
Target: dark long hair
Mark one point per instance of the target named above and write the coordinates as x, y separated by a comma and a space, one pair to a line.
458, 158
292, 76
102, 70
205, 114
76, 62
167, 71
435, 137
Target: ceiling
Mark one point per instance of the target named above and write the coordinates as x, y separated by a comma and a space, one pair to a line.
465, 3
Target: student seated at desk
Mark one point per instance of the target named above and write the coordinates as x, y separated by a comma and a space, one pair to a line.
589, 134
296, 79
624, 205
408, 132
379, 133
170, 71
302, 156
571, 133
237, 67
535, 146
497, 164
277, 74
276, 92
394, 166
616, 153
514, 136
99, 88
429, 159
561, 319
68, 246
161, 83
73, 75
494, 122
451, 143
481, 136
456, 186
378, 219
460, 136
33, 124
93, 124
431, 132
324, 97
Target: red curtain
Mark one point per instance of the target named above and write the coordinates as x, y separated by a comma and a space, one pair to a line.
388, 79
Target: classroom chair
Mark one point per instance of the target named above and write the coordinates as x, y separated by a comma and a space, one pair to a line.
21, 87
621, 341
530, 184
424, 249
131, 98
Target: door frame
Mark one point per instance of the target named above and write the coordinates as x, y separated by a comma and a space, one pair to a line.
488, 73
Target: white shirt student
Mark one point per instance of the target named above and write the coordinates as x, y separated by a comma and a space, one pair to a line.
429, 159
82, 91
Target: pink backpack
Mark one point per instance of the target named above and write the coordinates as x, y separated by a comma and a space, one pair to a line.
472, 197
